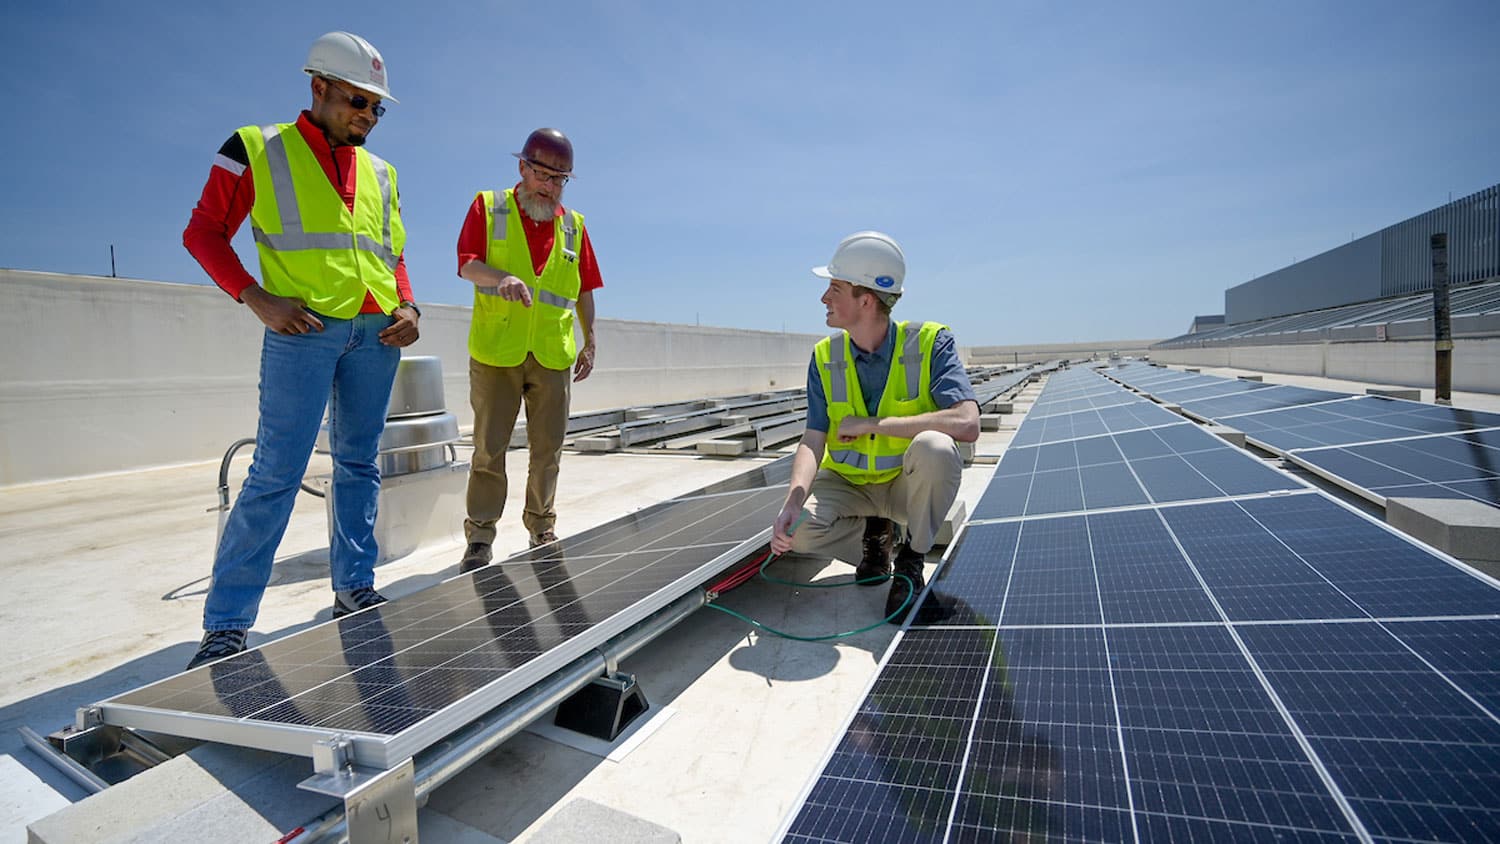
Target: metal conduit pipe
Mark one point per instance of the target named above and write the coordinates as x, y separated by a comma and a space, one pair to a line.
441, 762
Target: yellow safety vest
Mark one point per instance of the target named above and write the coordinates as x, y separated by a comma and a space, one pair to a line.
503, 332
908, 392
311, 245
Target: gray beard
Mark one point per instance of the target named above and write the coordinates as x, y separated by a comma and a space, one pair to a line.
538, 209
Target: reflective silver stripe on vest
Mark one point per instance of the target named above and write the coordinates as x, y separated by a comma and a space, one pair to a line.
847, 457
553, 299
570, 237
502, 222
911, 359
383, 179
856, 460
838, 383
293, 237
281, 181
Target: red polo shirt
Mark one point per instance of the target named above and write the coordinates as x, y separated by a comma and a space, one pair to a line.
229, 194
473, 244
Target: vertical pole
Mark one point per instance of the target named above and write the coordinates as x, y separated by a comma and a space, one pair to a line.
1442, 328
112, 260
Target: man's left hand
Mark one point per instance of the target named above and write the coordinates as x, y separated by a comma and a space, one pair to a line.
403, 332
585, 363
852, 428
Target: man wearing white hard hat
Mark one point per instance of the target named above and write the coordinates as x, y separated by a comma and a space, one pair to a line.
886, 403
337, 307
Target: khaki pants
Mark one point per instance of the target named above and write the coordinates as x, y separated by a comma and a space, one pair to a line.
496, 394
919, 498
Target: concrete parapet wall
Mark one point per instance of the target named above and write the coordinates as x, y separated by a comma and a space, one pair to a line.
1476, 362
109, 374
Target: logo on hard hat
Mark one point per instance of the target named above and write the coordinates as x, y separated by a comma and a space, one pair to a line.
374, 63
884, 281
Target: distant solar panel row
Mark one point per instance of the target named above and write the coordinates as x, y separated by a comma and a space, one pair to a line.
1379, 447
1271, 667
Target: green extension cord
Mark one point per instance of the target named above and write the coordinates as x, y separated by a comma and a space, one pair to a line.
910, 597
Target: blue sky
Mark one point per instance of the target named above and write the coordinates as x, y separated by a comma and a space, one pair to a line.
1055, 171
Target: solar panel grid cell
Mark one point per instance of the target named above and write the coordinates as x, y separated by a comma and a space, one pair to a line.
1109, 641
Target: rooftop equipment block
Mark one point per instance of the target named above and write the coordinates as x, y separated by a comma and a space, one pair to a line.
957, 515
1462, 527
1395, 393
1230, 435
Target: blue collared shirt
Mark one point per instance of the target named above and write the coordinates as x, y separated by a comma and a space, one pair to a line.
950, 382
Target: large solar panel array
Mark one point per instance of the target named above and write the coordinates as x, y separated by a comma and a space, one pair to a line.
1379, 447
1267, 666
399, 677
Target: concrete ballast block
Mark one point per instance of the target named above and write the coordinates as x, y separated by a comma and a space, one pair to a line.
722, 448
1227, 434
1251, 378
957, 515
607, 442
1394, 393
990, 421
1464, 528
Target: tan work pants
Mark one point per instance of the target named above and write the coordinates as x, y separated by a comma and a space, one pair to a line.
496, 394
919, 498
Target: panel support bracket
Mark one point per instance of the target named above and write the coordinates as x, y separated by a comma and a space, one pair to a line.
381, 806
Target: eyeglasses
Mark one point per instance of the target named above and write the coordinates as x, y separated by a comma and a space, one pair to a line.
359, 102
555, 178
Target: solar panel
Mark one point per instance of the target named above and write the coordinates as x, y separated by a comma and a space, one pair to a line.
1032, 694
1273, 666
1451, 466
399, 677
1224, 407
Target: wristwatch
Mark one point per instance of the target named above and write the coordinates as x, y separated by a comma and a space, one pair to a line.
412, 305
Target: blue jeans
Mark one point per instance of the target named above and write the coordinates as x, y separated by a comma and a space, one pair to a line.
345, 368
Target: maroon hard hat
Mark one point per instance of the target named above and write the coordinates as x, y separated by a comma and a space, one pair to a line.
545, 146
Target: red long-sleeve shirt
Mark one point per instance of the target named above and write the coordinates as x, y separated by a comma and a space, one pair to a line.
229, 194
473, 244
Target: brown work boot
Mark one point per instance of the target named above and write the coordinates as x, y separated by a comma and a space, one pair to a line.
476, 556
880, 538
543, 538
908, 563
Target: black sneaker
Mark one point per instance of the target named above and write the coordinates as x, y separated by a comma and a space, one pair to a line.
543, 538
217, 644
908, 563
880, 538
359, 599
476, 556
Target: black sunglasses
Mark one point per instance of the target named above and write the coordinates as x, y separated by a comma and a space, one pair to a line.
358, 101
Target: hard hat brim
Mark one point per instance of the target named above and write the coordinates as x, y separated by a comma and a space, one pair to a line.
822, 272
363, 86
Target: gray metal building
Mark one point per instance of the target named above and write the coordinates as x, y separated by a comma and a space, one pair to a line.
1394, 261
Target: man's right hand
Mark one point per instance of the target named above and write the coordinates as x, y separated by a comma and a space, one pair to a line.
281, 314
513, 289
781, 529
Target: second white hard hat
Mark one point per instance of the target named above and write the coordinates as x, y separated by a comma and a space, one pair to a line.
346, 56
869, 259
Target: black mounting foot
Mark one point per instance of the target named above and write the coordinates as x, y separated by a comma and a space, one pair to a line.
603, 708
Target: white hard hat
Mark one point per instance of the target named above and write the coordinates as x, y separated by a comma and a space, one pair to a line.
868, 259
346, 56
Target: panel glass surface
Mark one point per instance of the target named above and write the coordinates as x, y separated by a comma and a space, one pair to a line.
388, 669
1452, 466
1224, 407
